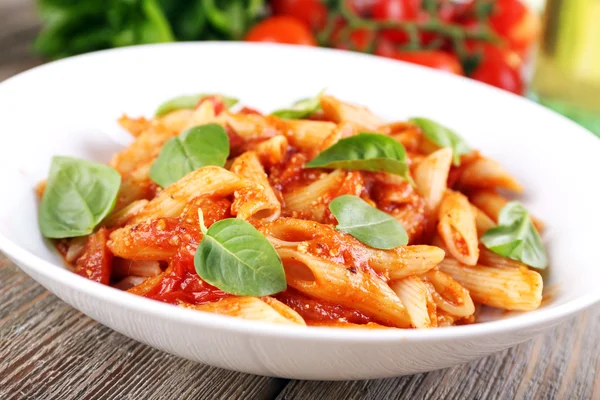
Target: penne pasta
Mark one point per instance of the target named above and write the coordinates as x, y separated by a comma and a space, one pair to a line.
456, 226
448, 295
361, 117
484, 173
272, 151
323, 279
308, 135
483, 223
257, 201
204, 181
418, 301
310, 201
506, 288
431, 175
250, 308
142, 268
491, 203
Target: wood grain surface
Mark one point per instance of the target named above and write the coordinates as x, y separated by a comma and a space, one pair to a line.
48, 350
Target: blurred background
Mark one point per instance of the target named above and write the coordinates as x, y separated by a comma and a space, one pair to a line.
548, 50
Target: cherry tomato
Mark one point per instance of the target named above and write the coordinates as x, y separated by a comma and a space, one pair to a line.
433, 59
312, 12
281, 29
516, 23
488, 50
358, 39
497, 72
395, 10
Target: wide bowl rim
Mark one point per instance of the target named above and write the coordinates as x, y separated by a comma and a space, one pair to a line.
543, 317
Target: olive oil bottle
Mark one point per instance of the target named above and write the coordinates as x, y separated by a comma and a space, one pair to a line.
567, 71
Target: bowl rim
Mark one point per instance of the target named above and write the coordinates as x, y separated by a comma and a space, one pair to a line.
542, 317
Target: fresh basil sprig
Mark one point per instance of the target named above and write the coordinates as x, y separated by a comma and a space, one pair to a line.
194, 148
443, 137
365, 152
189, 102
236, 258
515, 237
371, 226
78, 195
301, 109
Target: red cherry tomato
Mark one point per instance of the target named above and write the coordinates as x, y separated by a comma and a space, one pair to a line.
281, 29
497, 72
395, 10
516, 23
358, 39
433, 59
312, 12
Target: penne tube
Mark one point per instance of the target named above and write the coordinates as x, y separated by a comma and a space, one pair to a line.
135, 126
157, 239
308, 135
484, 173
431, 175
250, 308
456, 226
272, 151
257, 201
129, 282
405, 261
350, 287
488, 257
449, 295
75, 249
150, 283
492, 203
285, 311
506, 288
418, 301
141, 268
122, 216
250, 126
202, 115
483, 223
309, 201
211, 181
413, 219
361, 117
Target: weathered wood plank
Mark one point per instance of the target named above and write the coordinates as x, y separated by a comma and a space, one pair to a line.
48, 350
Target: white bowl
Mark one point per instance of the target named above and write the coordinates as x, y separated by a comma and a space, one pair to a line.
69, 107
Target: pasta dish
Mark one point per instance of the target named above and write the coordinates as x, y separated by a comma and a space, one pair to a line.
319, 214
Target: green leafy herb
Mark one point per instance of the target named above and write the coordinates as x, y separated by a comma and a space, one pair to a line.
78, 195
235, 257
194, 148
365, 152
515, 237
371, 226
301, 109
443, 137
190, 102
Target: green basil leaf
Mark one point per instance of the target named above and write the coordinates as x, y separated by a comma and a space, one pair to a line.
515, 237
443, 137
189, 102
194, 148
236, 258
78, 195
301, 109
365, 152
371, 226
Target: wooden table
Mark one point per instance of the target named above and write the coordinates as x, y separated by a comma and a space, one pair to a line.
48, 350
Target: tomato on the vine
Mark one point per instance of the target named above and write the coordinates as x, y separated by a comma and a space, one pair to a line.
395, 10
281, 29
495, 71
312, 12
516, 23
431, 58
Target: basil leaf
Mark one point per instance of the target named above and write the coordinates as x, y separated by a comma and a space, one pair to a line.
443, 137
190, 102
194, 148
365, 152
301, 109
78, 195
371, 226
236, 258
515, 237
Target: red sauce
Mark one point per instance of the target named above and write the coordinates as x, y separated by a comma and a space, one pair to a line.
320, 311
